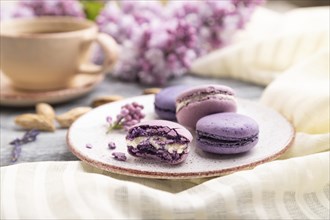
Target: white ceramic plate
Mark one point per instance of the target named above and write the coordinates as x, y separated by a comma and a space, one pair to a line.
276, 134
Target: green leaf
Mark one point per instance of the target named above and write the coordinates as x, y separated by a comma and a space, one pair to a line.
92, 8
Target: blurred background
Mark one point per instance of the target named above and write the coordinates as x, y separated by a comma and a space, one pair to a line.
285, 5
158, 43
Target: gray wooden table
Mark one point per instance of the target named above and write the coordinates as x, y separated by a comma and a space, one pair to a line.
52, 146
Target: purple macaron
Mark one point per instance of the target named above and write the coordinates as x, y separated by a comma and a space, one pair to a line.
200, 101
165, 101
226, 133
160, 140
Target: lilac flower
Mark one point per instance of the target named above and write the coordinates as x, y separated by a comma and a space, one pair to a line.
33, 8
10, 10
29, 136
129, 115
214, 21
158, 43
55, 7
154, 47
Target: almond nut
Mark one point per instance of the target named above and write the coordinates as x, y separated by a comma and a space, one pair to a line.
67, 118
151, 91
34, 121
45, 110
105, 99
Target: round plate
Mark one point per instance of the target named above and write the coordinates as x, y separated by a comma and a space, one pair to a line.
80, 85
275, 136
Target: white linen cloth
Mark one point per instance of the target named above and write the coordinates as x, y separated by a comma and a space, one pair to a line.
294, 61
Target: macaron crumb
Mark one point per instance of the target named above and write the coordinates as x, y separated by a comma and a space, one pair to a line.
112, 145
89, 146
119, 156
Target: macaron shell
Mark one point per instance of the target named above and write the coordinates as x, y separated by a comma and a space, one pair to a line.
207, 89
182, 157
167, 115
190, 114
225, 149
165, 101
229, 133
179, 128
229, 125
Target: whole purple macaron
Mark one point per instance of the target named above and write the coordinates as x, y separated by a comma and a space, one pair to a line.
165, 101
160, 140
226, 133
200, 101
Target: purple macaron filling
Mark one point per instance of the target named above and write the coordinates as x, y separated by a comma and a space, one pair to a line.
155, 143
214, 140
212, 143
209, 93
225, 145
147, 150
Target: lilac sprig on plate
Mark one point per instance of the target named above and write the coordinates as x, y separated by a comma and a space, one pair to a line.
129, 115
29, 136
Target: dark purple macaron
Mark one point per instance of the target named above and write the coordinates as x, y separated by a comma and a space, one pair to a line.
165, 101
200, 101
226, 133
160, 140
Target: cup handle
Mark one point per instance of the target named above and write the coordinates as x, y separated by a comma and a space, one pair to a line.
110, 50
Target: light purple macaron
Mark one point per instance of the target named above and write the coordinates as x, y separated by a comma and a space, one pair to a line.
226, 133
201, 101
165, 101
160, 140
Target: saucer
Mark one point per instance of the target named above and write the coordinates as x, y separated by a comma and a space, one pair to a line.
80, 85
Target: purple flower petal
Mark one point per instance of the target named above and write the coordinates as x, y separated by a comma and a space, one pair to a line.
29, 136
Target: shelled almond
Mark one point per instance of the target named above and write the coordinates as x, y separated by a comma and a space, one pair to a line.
149, 91
67, 118
105, 99
45, 110
35, 121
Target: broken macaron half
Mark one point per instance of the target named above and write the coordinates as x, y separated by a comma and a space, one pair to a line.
160, 140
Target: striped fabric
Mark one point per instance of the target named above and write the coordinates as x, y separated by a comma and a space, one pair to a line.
289, 189
264, 53
294, 187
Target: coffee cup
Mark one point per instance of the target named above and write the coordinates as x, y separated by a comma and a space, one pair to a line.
46, 53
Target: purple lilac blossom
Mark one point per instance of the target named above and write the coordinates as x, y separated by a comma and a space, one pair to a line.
130, 114
29, 136
159, 43
33, 8
215, 21
10, 10
55, 7
152, 50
